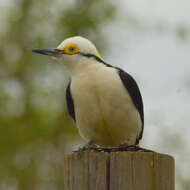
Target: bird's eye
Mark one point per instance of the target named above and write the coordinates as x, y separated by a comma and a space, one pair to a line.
71, 49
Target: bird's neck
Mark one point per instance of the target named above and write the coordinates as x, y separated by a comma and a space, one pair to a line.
85, 65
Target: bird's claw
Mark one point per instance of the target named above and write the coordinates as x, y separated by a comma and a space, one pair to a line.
133, 148
122, 148
88, 146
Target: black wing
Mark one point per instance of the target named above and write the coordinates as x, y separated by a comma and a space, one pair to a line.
135, 94
69, 100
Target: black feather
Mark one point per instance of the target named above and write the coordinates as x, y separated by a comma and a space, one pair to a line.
70, 103
135, 94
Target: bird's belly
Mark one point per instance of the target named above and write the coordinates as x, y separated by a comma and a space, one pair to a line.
104, 111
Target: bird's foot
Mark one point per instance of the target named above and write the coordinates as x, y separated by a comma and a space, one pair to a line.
89, 146
124, 147
132, 148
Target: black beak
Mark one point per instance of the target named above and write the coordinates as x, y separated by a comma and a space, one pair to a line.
53, 53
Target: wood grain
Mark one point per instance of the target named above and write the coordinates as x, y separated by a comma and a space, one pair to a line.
91, 170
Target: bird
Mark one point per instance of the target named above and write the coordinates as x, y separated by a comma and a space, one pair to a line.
103, 100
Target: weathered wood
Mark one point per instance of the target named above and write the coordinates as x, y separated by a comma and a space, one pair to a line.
86, 171
91, 170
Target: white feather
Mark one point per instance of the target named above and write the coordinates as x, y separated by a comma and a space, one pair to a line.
105, 113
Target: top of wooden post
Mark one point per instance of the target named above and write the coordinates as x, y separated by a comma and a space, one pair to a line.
90, 170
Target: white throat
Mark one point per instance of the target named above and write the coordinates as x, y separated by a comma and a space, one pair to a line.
83, 65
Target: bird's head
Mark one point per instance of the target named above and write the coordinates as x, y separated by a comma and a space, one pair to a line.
72, 52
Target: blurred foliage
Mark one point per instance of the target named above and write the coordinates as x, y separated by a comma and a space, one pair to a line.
34, 124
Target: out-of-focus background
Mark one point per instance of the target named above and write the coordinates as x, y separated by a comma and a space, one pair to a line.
149, 39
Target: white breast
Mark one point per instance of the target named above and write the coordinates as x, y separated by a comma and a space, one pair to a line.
105, 113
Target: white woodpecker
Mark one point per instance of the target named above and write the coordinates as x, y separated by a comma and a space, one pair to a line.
104, 101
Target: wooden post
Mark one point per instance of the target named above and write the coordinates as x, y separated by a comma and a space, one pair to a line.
91, 170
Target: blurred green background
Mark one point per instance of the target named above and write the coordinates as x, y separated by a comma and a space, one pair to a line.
35, 130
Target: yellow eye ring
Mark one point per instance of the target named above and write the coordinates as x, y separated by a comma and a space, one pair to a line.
71, 49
